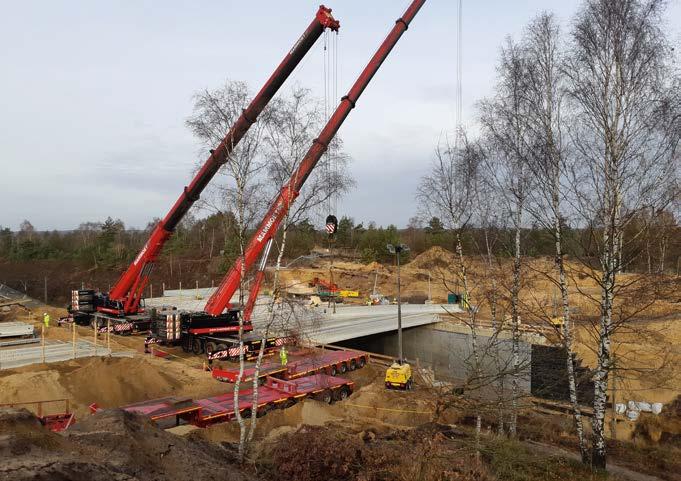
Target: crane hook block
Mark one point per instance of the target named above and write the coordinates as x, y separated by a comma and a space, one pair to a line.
331, 224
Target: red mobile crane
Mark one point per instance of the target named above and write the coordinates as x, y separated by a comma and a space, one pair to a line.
126, 295
193, 335
261, 241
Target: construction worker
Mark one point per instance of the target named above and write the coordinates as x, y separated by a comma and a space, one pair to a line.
283, 355
46, 319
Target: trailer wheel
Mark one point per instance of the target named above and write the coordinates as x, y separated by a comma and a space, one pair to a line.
185, 345
196, 346
246, 413
210, 347
343, 368
326, 397
334, 371
343, 393
353, 365
361, 362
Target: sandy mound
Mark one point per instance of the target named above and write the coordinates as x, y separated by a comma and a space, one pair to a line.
113, 382
435, 257
275, 423
111, 445
132, 440
108, 381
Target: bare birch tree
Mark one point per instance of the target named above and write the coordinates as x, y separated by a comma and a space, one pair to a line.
448, 192
547, 163
504, 122
214, 114
625, 133
296, 120
293, 124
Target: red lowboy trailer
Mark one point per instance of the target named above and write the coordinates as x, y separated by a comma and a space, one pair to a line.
317, 361
275, 393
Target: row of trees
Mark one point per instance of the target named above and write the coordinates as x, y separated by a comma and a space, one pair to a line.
583, 129
654, 244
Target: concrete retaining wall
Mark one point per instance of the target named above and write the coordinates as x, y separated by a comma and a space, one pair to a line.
449, 353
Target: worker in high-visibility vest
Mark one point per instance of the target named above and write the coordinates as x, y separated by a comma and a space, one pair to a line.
283, 355
46, 320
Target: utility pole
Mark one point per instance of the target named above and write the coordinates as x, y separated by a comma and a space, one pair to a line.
397, 250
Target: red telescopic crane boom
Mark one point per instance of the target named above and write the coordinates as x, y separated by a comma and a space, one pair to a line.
269, 225
126, 294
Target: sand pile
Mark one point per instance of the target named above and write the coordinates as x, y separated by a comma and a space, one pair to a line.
433, 258
108, 381
275, 422
111, 445
112, 382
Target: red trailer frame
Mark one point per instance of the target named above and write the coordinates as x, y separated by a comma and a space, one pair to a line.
276, 393
324, 362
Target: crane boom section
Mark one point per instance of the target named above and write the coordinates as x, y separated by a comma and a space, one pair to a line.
269, 225
128, 290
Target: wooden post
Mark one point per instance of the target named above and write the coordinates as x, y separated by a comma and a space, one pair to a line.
151, 290
180, 287
163, 289
197, 289
42, 341
108, 335
73, 340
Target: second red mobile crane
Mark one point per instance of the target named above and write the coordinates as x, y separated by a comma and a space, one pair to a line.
261, 241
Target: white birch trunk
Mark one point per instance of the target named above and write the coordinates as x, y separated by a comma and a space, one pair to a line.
515, 326
474, 333
261, 352
567, 326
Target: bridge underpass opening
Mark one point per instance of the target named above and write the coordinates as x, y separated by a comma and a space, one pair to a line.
447, 351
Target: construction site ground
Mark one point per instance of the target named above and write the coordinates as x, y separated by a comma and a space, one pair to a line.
369, 429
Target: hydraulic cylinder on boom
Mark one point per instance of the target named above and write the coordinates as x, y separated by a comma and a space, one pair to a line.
220, 300
125, 296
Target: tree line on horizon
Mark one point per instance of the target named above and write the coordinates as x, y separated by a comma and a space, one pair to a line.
110, 245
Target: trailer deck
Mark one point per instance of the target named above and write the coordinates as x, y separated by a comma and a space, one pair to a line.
299, 365
276, 393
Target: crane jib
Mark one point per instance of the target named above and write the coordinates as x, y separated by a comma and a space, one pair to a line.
231, 282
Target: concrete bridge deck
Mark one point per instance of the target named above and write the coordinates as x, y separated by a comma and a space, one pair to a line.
320, 324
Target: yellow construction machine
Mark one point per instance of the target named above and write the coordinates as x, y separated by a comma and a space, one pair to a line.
399, 376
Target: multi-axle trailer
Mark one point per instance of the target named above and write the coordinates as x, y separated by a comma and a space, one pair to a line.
310, 362
274, 394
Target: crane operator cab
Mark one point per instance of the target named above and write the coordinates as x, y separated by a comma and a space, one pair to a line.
399, 376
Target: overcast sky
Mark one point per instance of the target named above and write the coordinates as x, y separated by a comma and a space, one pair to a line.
94, 95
